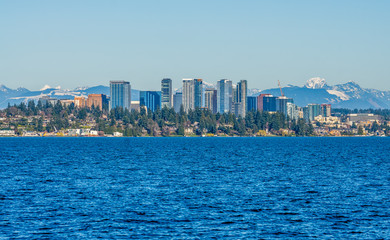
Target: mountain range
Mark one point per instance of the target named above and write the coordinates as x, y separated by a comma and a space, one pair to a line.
316, 90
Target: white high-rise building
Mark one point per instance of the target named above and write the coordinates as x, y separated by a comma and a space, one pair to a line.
210, 100
192, 93
293, 111
224, 96
188, 98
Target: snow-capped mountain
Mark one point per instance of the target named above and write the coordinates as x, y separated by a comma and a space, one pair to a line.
11, 96
349, 95
316, 83
253, 91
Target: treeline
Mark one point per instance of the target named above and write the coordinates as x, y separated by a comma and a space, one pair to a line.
162, 122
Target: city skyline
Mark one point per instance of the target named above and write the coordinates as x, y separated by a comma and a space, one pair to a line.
68, 43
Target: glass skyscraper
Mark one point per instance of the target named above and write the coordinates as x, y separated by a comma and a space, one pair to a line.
188, 94
166, 93
177, 101
198, 88
281, 104
251, 103
311, 111
210, 100
224, 96
240, 98
326, 110
120, 93
192, 93
150, 99
266, 103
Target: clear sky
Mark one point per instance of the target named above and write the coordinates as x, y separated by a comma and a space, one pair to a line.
86, 43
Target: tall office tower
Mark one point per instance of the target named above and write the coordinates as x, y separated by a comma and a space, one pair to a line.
224, 96
293, 111
312, 111
235, 106
198, 90
166, 93
150, 99
97, 100
120, 94
188, 99
251, 103
240, 98
281, 104
210, 100
306, 114
177, 101
266, 103
326, 110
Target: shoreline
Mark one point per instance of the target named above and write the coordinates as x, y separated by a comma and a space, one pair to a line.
359, 136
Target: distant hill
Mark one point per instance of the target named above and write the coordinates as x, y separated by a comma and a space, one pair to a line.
11, 96
349, 95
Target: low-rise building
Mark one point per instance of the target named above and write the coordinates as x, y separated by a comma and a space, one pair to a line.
66, 102
74, 132
327, 120
363, 118
93, 133
48, 100
7, 133
118, 134
135, 106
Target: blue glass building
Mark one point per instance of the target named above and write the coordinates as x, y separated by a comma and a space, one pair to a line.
268, 104
120, 94
281, 104
198, 88
177, 101
150, 99
251, 104
224, 96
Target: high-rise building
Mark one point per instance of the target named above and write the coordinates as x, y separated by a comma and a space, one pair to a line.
311, 111
150, 99
240, 95
293, 111
192, 93
266, 103
188, 99
96, 100
210, 100
281, 104
198, 92
224, 96
326, 110
177, 101
251, 103
166, 93
79, 102
120, 93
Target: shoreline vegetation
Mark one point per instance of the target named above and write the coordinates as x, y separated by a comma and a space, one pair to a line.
47, 120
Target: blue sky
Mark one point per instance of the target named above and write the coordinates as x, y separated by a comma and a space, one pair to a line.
87, 43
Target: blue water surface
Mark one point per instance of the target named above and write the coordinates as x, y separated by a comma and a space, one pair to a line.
195, 188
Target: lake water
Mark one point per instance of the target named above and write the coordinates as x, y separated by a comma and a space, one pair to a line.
194, 188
